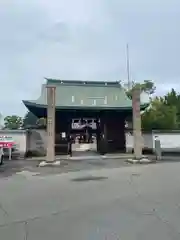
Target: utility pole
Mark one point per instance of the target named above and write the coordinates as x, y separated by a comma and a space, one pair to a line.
128, 66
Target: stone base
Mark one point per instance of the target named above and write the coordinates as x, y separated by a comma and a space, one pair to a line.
145, 160
142, 160
131, 160
47, 164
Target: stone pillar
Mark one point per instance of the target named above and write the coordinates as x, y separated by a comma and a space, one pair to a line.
137, 124
51, 94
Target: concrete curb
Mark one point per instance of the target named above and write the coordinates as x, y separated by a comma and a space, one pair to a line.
128, 157
47, 164
140, 161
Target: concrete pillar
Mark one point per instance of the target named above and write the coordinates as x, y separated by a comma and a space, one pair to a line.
137, 124
51, 94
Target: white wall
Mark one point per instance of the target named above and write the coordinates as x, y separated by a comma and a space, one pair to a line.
19, 136
37, 140
33, 140
169, 141
147, 141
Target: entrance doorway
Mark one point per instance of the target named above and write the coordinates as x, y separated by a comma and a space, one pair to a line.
96, 133
84, 136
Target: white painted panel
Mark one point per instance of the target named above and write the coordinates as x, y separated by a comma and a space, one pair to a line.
146, 138
169, 141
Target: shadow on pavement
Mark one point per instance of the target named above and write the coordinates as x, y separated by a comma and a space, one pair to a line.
89, 178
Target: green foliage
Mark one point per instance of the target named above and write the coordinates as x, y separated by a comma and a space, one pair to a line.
147, 86
13, 122
29, 120
160, 116
164, 112
41, 122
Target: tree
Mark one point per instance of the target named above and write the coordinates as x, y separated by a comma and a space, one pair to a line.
41, 122
147, 86
160, 116
164, 112
13, 122
173, 99
29, 120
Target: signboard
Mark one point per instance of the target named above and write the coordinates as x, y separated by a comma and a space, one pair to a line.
6, 141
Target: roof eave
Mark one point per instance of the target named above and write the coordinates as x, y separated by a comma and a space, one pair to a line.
37, 105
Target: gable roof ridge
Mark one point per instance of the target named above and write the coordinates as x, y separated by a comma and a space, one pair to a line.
83, 83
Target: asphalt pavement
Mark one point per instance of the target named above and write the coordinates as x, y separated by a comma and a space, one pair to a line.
139, 202
14, 167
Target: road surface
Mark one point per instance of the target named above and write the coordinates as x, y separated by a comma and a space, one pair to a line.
136, 202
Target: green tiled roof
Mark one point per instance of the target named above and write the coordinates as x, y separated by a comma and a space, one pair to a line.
85, 94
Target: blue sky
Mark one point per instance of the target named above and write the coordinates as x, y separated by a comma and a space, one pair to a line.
85, 39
